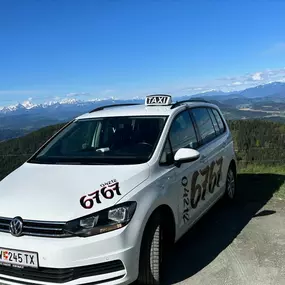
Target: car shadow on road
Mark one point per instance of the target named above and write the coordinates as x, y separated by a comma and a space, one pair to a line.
220, 226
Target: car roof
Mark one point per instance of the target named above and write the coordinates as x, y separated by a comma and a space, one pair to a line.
141, 110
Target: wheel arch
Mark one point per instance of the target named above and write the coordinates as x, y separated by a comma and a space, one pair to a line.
168, 219
233, 165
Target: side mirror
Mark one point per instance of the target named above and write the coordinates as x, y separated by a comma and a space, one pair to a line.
184, 155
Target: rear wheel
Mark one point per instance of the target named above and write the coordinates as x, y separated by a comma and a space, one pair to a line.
230, 193
152, 252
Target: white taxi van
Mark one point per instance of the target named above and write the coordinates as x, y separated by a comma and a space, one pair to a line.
101, 201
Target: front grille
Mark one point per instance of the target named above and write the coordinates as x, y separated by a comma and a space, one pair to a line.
37, 228
55, 275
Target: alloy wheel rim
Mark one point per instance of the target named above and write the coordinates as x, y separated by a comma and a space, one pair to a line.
231, 184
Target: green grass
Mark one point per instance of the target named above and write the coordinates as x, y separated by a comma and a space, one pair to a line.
269, 175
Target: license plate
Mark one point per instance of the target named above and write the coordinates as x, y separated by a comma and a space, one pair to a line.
18, 258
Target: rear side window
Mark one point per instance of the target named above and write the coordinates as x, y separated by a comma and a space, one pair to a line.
214, 121
204, 124
219, 120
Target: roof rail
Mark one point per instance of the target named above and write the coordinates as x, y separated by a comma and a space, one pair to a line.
113, 105
176, 104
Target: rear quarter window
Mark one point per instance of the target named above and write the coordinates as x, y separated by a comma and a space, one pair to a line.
219, 121
214, 121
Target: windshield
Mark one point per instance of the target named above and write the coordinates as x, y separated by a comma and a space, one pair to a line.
116, 140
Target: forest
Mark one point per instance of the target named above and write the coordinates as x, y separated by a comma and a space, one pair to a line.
256, 142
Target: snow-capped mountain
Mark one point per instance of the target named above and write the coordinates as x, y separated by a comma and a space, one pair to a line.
60, 110
265, 90
73, 106
30, 106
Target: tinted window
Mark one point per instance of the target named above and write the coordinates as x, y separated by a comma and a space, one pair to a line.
204, 124
182, 132
214, 121
219, 120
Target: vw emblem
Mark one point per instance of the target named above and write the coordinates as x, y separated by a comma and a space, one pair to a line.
16, 226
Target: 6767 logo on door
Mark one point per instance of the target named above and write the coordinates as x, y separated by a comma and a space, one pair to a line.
194, 193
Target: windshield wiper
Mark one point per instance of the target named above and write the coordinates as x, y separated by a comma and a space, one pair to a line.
41, 161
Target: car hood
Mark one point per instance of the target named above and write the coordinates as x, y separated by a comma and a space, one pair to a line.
53, 192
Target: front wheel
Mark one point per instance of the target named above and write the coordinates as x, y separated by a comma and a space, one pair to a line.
151, 253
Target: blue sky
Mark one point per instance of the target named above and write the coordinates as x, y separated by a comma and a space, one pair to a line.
52, 49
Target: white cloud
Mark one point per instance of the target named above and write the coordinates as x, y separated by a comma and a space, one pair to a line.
257, 76
75, 94
235, 83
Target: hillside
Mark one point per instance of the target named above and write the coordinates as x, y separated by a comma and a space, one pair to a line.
256, 141
6, 134
16, 151
259, 141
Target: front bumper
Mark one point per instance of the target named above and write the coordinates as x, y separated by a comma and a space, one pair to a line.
110, 258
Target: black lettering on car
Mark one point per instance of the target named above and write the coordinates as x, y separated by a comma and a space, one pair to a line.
186, 217
186, 199
198, 192
212, 178
205, 172
219, 173
107, 191
195, 190
86, 203
108, 183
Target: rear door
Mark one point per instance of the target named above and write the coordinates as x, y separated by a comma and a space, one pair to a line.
223, 145
211, 151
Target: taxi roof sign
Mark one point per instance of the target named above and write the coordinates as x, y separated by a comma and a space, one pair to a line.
158, 100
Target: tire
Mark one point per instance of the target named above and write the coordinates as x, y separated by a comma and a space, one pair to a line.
231, 185
150, 265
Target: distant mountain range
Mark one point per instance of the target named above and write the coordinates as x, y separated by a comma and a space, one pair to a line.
264, 101
275, 90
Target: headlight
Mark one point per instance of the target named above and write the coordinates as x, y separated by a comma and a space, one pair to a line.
104, 221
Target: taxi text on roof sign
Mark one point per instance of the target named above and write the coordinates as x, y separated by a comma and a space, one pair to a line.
158, 100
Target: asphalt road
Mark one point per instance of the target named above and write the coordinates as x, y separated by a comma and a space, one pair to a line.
240, 244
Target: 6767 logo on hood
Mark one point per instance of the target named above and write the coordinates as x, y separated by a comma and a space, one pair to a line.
107, 191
